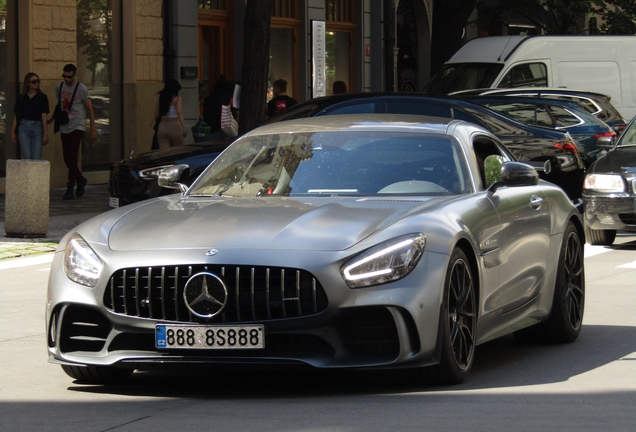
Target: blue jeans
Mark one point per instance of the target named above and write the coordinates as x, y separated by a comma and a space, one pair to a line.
30, 134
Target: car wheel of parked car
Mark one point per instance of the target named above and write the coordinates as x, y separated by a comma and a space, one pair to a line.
564, 323
97, 374
458, 325
600, 237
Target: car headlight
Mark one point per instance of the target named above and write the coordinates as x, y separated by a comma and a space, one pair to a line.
383, 263
152, 173
81, 263
604, 183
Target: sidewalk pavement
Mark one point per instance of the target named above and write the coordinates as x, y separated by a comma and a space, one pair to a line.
64, 215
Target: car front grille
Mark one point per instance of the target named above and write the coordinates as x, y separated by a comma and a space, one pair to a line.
120, 178
254, 293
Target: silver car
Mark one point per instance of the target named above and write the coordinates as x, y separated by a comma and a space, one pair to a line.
365, 241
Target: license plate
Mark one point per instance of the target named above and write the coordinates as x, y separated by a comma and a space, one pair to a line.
113, 202
209, 337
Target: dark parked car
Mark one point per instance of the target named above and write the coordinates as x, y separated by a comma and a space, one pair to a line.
135, 179
597, 104
531, 144
592, 135
609, 191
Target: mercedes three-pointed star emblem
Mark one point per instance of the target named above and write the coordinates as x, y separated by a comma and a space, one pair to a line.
205, 295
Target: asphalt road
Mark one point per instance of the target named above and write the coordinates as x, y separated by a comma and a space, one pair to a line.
589, 385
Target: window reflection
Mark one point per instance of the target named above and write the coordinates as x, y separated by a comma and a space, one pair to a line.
95, 70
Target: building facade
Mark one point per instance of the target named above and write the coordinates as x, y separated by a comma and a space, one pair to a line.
126, 49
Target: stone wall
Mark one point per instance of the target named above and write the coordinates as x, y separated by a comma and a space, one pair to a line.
54, 36
149, 41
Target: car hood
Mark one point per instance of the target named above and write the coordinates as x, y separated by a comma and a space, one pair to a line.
256, 223
619, 161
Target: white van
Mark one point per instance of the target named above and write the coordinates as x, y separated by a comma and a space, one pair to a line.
603, 64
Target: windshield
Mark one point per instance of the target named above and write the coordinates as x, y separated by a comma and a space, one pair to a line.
463, 76
628, 137
337, 163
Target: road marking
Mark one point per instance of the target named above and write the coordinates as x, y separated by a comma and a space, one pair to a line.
628, 265
25, 262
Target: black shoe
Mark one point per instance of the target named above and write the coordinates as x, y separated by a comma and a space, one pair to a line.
81, 183
69, 195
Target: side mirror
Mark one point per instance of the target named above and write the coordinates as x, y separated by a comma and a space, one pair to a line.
170, 177
515, 174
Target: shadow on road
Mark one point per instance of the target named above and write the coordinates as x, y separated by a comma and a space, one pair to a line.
500, 363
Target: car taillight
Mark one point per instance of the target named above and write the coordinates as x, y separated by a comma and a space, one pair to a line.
567, 146
610, 135
619, 128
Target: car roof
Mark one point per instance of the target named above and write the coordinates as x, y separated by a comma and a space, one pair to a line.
331, 102
575, 106
533, 90
366, 122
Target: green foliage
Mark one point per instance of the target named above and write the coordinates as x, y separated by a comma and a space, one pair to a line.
492, 169
565, 16
621, 19
93, 31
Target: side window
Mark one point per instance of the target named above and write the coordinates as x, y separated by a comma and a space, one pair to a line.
484, 147
563, 117
418, 108
361, 108
494, 124
526, 75
524, 113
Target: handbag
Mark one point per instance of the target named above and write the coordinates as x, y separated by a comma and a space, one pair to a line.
228, 124
59, 115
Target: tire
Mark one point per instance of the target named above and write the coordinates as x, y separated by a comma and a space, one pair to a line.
97, 374
458, 325
600, 237
568, 303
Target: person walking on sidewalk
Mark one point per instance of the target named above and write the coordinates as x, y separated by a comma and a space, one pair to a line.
73, 132
169, 113
29, 122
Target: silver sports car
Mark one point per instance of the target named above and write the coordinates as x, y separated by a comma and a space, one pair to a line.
335, 242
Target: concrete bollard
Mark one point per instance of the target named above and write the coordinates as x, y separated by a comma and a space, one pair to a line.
27, 198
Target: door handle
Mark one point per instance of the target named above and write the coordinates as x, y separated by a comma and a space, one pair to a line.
536, 201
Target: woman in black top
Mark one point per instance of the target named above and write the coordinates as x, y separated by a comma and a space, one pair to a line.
29, 122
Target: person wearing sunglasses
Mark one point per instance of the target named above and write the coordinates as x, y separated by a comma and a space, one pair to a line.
72, 132
29, 122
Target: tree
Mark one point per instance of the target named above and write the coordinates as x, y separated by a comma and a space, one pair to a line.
94, 28
449, 19
256, 30
565, 16
620, 19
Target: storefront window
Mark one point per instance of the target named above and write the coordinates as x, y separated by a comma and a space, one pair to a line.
281, 53
283, 48
97, 68
338, 58
339, 43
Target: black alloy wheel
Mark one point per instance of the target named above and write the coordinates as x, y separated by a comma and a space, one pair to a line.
458, 325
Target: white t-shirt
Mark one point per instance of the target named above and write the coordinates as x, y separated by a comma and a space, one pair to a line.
77, 114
